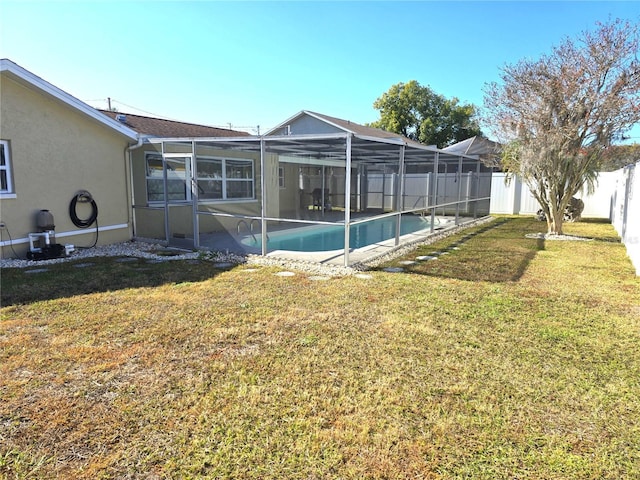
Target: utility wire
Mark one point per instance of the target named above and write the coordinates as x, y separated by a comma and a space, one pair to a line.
144, 111
227, 126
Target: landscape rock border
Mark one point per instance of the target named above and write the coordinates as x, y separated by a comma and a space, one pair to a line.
151, 250
549, 236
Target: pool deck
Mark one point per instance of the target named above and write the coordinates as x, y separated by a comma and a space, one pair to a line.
358, 255
230, 243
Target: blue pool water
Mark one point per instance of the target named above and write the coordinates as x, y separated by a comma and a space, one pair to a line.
321, 238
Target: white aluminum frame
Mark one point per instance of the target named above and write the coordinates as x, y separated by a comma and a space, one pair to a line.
310, 145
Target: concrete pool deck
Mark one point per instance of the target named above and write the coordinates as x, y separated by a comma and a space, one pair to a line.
227, 242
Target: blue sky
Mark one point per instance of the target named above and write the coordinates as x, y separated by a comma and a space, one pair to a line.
259, 63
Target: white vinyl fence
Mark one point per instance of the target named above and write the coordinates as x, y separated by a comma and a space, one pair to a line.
514, 197
625, 215
617, 198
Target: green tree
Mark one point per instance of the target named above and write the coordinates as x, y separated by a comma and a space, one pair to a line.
418, 113
557, 116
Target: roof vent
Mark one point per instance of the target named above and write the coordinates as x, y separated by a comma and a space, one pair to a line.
121, 118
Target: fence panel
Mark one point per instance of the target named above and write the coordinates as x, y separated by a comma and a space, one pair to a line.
515, 197
625, 215
505, 194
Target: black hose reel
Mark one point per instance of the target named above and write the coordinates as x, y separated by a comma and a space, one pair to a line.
83, 196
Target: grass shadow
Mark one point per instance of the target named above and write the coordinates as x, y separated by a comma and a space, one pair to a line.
496, 252
97, 274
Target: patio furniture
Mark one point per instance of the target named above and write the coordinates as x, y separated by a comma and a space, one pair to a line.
318, 198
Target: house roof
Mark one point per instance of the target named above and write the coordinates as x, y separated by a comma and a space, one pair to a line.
24, 77
158, 127
348, 127
352, 127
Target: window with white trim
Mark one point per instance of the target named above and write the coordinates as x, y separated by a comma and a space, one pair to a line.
178, 172
281, 182
225, 178
5, 168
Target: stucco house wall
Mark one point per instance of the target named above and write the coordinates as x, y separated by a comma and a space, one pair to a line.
56, 150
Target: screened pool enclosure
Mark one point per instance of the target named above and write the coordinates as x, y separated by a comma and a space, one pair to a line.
330, 198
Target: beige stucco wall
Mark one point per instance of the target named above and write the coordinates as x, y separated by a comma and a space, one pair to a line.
56, 151
292, 201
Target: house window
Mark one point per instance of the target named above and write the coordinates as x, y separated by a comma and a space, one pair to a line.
281, 177
178, 171
210, 179
5, 168
225, 178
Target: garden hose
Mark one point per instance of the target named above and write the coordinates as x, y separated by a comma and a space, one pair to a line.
84, 196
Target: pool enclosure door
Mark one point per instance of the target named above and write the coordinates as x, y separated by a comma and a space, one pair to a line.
180, 200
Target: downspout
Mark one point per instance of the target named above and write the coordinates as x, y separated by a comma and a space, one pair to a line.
129, 185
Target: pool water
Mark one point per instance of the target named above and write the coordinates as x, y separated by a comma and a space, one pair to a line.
328, 237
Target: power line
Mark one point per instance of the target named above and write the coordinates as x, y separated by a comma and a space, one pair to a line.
228, 125
144, 111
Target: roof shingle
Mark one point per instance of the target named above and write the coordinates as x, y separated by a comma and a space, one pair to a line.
351, 127
356, 128
158, 127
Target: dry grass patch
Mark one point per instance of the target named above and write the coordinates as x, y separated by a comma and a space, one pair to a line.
487, 370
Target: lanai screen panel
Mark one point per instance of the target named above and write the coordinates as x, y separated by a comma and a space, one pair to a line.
174, 189
310, 174
462, 183
227, 175
229, 189
419, 180
376, 176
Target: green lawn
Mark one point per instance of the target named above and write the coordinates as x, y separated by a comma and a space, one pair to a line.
508, 358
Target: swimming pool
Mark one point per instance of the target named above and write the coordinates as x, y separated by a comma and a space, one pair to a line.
320, 238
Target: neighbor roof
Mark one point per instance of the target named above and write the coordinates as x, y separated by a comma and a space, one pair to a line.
474, 146
158, 127
487, 150
24, 77
348, 127
353, 127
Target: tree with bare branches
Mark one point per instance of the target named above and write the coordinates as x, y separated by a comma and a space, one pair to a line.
556, 116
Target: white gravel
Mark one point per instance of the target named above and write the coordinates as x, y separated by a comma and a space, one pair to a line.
311, 268
126, 249
549, 236
157, 252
